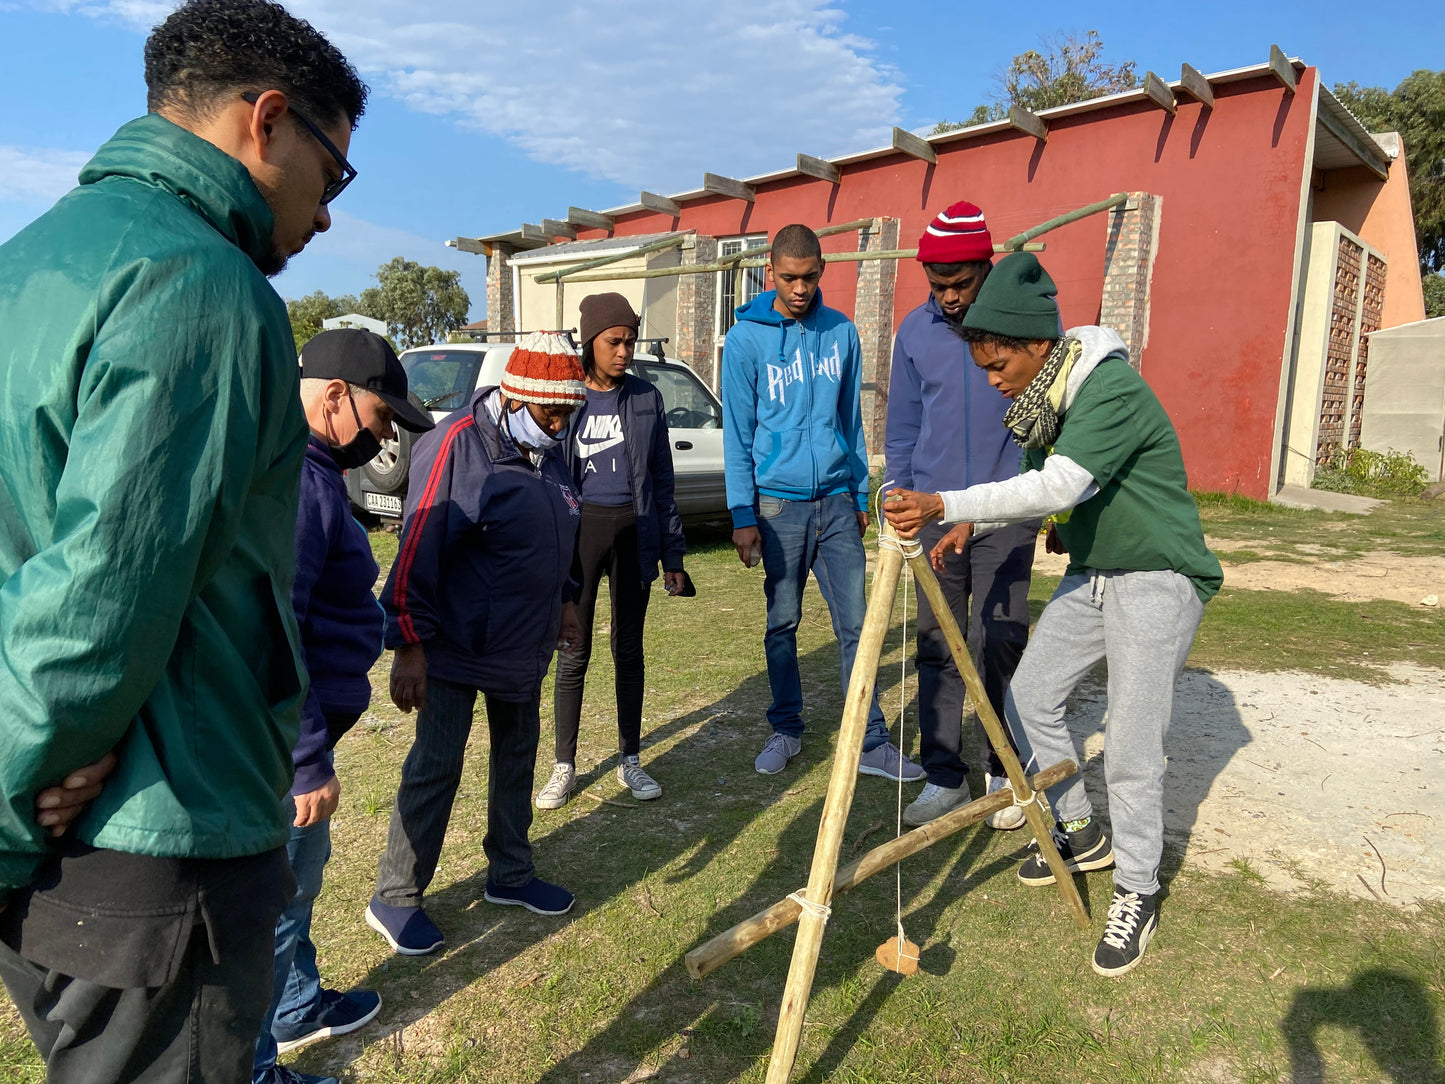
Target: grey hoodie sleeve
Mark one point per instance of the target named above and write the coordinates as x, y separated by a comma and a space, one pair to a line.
1061, 485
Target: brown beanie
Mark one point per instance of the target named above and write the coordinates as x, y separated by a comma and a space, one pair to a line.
602, 311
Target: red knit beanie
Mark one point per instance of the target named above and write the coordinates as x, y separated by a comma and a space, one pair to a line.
957, 235
544, 370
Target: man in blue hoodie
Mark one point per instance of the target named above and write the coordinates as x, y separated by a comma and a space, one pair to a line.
797, 481
945, 431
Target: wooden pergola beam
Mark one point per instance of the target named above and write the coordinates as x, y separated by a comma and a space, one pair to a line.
589, 220
1282, 69
817, 167
1158, 92
1028, 123
468, 244
532, 232
559, 229
1193, 83
661, 204
914, 146
727, 186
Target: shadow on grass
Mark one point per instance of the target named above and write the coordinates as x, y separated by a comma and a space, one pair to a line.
601, 851
1391, 1012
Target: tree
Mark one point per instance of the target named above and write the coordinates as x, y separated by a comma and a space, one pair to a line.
1434, 295
419, 304
1415, 109
308, 312
1071, 69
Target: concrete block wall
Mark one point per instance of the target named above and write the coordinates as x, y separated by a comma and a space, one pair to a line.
697, 310
501, 307
873, 316
1129, 250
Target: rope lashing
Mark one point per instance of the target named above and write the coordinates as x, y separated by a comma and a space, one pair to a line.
817, 910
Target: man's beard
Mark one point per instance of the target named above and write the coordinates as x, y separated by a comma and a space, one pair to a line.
955, 323
274, 262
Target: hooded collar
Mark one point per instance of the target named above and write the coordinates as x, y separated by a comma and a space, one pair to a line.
760, 309
155, 151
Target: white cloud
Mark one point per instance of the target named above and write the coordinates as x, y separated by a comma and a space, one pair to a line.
643, 94
38, 175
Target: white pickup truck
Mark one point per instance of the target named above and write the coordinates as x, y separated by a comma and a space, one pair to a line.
443, 377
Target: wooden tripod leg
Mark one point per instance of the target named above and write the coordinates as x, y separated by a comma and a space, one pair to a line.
712, 954
1033, 812
835, 815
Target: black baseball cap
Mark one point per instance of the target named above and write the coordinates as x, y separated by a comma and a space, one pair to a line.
365, 359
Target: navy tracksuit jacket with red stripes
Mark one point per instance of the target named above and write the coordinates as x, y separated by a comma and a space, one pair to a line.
486, 548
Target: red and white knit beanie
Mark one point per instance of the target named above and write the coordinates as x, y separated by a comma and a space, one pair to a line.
544, 369
957, 235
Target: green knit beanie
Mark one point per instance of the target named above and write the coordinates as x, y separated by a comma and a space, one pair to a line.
1017, 300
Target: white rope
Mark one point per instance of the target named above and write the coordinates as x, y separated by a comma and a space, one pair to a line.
817, 910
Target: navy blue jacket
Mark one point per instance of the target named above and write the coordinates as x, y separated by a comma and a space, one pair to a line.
486, 546
945, 424
649, 465
339, 618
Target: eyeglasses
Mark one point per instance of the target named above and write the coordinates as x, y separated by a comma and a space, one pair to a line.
348, 172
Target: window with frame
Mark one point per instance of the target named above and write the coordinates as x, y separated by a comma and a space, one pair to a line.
740, 285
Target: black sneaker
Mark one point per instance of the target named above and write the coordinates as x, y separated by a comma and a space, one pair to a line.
1133, 918
1088, 848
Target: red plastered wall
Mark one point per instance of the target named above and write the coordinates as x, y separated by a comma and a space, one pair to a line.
1229, 180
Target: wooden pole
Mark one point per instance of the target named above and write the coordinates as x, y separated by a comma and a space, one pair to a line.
836, 805
1018, 240
712, 954
603, 261
1033, 811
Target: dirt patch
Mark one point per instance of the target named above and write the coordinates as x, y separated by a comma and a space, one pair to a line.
1381, 574
1308, 779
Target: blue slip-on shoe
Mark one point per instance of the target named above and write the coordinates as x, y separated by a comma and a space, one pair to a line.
536, 896
335, 1014
406, 929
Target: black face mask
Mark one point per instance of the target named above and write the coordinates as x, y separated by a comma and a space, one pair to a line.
362, 448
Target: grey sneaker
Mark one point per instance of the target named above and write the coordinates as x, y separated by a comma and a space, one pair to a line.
630, 774
563, 783
934, 802
1010, 816
776, 754
887, 761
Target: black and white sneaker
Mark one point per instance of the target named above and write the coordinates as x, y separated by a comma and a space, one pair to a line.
1133, 918
1087, 849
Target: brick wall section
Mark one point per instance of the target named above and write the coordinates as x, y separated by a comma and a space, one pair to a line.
1128, 266
1340, 351
501, 310
697, 310
873, 315
1372, 306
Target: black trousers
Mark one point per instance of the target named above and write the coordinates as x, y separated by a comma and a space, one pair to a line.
987, 587
200, 1026
606, 545
429, 780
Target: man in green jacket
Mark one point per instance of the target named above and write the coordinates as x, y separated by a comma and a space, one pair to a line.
151, 440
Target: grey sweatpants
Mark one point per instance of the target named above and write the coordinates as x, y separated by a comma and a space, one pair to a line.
1143, 623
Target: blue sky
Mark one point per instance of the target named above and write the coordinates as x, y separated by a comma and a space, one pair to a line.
488, 114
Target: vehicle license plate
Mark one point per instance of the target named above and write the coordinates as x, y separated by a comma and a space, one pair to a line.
382, 503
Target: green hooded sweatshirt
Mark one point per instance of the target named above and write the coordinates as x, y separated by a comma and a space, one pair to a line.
151, 440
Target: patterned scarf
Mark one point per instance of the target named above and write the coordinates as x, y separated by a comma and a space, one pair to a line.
1033, 417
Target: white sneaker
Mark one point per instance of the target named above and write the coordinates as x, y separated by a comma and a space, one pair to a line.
1010, 816
933, 802
563, 783
630, 774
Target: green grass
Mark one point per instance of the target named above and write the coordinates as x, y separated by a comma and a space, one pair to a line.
1405, 526
1241, 983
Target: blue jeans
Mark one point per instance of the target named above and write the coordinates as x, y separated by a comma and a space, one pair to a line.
819, 536
295, 984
